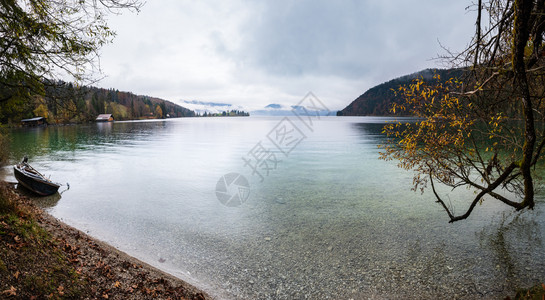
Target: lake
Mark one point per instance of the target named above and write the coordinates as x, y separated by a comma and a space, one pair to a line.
279, 208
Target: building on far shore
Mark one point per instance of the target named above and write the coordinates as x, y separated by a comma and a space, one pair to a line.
105, 118
37, 121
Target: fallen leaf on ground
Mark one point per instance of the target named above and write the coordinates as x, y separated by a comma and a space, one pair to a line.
11, 292
60, 289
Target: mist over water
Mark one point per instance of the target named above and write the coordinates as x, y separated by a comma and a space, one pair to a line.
323, 218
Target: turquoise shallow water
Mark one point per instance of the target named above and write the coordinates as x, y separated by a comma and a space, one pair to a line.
321, 216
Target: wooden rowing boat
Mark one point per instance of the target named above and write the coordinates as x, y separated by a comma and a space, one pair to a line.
33, 180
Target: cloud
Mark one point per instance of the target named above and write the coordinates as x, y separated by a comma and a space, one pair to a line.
253, 53
347, 39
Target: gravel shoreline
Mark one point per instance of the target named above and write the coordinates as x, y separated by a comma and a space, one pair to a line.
117, 274
108, 272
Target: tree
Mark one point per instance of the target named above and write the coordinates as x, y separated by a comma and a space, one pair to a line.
146, 110
41, 111
485, 130
41, 41
163, 107
158, 112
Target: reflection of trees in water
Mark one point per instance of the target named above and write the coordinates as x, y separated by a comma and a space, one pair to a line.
517, 246
39, 141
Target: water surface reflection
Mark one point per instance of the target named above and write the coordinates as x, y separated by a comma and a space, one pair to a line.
331, 221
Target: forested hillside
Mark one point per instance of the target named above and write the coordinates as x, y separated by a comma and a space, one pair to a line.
377, 100
65, 103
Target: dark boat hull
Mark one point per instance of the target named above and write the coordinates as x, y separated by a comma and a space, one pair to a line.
40, 186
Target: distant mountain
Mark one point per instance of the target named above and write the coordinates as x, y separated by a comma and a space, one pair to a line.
206, 103
274, 106
377, 100
204, 107
274, 109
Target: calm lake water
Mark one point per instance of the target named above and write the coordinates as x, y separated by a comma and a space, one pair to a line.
321, 216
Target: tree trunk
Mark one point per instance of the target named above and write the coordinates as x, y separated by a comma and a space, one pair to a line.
523, 10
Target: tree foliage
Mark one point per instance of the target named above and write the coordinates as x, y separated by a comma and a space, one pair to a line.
44, 40
485, 130
82, 104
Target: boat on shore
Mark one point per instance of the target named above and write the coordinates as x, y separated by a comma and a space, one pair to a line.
33, 180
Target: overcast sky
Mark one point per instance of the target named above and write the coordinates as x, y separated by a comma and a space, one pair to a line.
253, 53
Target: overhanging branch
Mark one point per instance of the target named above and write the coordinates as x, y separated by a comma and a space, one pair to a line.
488, 190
